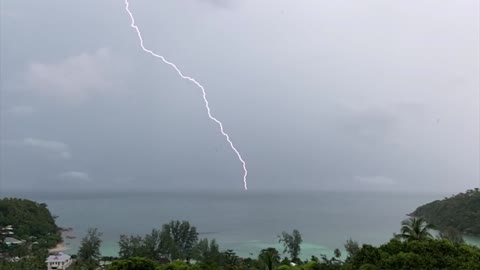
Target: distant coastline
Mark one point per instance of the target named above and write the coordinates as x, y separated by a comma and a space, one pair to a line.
458, 212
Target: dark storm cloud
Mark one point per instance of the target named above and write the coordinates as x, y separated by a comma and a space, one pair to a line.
326, 95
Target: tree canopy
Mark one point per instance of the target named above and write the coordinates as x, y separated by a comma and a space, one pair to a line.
134, 263
461, 212
451, 234
394, 255
269, 257
179, 239
131, 246
30, 220
89, 251
416, 255
291, 243
415, 229
414, 248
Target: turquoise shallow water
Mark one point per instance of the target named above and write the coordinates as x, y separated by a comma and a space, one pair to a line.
245, 221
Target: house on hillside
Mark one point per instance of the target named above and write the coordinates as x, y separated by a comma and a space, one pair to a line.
8, 230
10, 241
58, 261
104, 264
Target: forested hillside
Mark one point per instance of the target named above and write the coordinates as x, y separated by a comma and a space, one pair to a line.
461, 212
31, 221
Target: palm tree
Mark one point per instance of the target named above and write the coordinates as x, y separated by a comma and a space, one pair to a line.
415, 229
270, 257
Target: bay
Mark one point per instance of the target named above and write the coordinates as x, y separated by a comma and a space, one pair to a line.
243, 221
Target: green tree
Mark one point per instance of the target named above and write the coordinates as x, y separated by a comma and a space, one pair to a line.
206, 251
131, 246
415, 229
291, 243
134, 263
337, 253
269, 257
178, 239
176, 265
149, 246
332, 263
89, 251
351, 247
230, 260
34, 261
451, 234
153, 245
460, 211
416, 255
30, 219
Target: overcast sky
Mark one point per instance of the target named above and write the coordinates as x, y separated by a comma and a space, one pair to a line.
351, 95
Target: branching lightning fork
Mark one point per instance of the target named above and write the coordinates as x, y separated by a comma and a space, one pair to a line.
220, 125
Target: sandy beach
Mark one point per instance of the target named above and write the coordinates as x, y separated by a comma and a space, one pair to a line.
59, 248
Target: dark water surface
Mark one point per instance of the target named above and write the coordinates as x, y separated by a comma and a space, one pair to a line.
244, 221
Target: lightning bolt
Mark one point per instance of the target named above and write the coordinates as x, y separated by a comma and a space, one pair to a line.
207, 106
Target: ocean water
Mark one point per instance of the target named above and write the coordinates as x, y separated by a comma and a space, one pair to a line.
244, 221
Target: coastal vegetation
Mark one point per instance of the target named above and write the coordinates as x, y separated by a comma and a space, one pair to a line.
32, 227
89, 251
176, 245
414, 248
459, 212
177, 240
415, 255
396, 254
30, 221
291, 243
415, 229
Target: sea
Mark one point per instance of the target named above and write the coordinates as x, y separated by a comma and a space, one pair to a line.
245, 222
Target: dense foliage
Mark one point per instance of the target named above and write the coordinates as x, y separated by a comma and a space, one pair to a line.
134, 263
176, 247
291, 243
461, 212
34, 261
33, 224
415, 229
31, 221
414, 248
452, 235
177, 240
416, 255
89, 251
396, 254
208, 252
352, 247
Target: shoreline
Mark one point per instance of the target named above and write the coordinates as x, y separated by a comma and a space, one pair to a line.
60, 247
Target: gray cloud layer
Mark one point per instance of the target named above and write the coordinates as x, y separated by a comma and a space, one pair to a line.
315, 94
51, 148
73, 78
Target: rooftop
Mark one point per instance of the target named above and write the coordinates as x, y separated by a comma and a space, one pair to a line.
9, 228
59, 257
12, 240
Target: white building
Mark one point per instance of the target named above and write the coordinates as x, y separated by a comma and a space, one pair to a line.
58, 261
9, 241
7, 228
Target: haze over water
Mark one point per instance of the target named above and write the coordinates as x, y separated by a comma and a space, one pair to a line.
365, 96
243, 221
